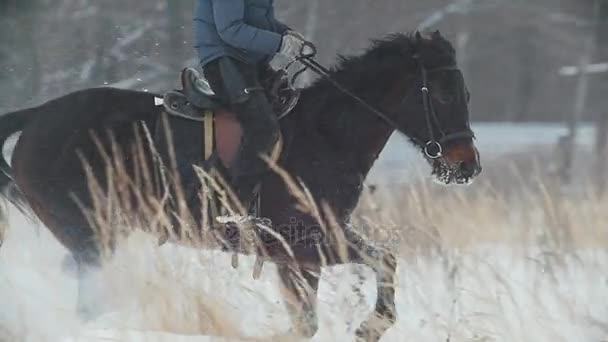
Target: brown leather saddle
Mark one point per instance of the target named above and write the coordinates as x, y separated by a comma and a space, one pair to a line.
197, 102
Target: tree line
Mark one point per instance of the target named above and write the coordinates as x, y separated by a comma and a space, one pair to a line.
511, 51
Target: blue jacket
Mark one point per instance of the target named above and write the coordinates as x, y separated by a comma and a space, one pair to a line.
243, 29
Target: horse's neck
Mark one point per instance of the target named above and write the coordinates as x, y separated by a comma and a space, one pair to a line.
352, 131
336, 141
342, 146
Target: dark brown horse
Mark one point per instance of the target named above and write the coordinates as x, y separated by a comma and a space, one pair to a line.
331, 143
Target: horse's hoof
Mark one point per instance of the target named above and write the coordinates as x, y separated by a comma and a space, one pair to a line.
303, 333
367, 334
309, 332
307, 326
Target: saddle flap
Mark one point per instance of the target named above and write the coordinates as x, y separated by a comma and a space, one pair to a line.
228, 133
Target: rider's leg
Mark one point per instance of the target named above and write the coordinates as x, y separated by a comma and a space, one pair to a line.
229, 79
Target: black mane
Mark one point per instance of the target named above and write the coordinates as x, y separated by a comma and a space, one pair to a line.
393, 54
323, 107
380, 63
398, 49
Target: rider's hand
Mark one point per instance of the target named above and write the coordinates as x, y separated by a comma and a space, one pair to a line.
292, 46
309, 48
297, 34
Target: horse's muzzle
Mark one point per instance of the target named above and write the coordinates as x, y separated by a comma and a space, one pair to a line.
463, 162
458, 164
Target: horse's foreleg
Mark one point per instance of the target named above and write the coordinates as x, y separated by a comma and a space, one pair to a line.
300, 293
384, 316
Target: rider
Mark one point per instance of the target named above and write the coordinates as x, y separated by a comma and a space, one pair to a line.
237, 40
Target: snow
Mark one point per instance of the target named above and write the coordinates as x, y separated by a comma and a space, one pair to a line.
500, 291
401, 162
492, 293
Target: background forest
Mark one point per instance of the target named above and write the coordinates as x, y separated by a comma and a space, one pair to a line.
513, 52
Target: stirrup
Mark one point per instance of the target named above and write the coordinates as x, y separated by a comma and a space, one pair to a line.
248, 221
255, 223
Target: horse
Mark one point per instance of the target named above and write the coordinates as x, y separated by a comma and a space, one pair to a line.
411, 84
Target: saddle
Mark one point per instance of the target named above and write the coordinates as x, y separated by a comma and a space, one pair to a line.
197, 102
197, 96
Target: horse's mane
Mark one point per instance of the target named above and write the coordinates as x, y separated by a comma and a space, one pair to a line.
396, 50
385, 58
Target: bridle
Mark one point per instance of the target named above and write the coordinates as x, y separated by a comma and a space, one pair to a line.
431, 117
433, 149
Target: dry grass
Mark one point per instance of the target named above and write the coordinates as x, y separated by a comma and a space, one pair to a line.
168, 288
413, 220
420, 220
517, 200
422, 215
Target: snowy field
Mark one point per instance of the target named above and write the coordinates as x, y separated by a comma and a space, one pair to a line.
399, 162
497, 271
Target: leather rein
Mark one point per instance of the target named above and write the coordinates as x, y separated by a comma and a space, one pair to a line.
433, 148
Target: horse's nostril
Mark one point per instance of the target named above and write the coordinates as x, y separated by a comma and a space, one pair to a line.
468, 169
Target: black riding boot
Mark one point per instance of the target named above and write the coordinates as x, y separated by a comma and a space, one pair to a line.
239, 85
260, 133
247, 174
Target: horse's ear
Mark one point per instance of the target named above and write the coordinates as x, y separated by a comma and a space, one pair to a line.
418, 36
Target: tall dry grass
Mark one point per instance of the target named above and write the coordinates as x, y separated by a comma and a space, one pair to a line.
415, 221
419, 216
519, 205
165, 288
143, 194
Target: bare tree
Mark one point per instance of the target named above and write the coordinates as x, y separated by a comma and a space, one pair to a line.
525, 55
176, 34
602, 115
567, 143
139, 44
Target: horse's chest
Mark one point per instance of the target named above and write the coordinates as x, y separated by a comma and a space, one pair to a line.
332, 179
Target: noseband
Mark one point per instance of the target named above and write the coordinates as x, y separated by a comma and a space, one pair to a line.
433, 148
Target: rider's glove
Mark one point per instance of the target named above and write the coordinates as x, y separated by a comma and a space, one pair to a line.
293, 45
297, 34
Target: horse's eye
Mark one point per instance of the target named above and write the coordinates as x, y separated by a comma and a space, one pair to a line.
445, 98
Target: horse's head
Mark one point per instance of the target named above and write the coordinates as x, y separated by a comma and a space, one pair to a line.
433, 108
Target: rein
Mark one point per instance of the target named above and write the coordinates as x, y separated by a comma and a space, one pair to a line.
433, 148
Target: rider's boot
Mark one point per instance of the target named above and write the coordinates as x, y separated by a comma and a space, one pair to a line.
239, 85
258, 140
